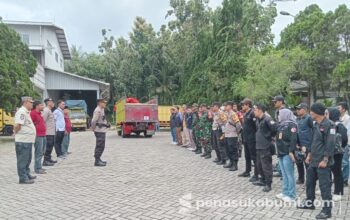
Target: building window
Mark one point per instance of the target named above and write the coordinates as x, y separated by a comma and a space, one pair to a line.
25, 38
49, 47
61, 63
56, 57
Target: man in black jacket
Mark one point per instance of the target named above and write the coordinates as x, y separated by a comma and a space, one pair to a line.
266, 129
320, 159
248, 136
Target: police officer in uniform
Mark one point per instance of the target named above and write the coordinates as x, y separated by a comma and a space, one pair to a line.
320, 159
249, 142
305, 125
99, 125
266, 130
25, 133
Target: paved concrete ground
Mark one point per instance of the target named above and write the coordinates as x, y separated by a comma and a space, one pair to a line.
144, 179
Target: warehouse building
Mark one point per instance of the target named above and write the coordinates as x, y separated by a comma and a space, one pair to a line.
49, 46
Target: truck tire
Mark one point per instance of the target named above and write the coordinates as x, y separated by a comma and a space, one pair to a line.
122, 133
119, 132
147, 135
8, 130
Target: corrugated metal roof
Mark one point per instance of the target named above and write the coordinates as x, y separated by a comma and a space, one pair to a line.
77, 76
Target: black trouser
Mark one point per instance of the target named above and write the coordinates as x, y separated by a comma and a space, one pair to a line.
219, 145
323, 176
58, 142
302, 166
338, 174
232, 148
50, 142
250, 155
264, 164
100, 144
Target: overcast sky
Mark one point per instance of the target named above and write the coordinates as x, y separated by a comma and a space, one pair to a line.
83, 20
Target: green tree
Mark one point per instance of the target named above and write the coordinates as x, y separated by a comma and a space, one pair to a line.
17, 65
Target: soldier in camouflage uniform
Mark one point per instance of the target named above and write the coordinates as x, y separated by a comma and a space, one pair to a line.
205, 128
195, 129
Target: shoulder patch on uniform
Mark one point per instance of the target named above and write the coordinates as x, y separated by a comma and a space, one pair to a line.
22, 117
293, 130
332, 131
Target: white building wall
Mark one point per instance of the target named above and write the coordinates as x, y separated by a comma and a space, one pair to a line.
39, 78
32, 31
49, 35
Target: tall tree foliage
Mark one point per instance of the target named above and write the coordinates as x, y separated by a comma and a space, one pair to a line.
17, 65
202, 55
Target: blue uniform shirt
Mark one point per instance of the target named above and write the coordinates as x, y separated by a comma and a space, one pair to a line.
305, 125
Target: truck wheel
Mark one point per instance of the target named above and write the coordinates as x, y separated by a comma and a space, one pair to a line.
119, 132
122, 133
147, 135
8, 130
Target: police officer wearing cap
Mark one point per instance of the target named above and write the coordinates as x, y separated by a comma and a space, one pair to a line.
266, 130
320, 159
305, 124
25, 133
99, 125
249, 141
279, 104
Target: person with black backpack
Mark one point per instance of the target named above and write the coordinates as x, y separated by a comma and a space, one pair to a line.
341, 142
320, 161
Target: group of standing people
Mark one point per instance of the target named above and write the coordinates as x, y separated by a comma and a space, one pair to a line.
314, 139
49, 128
46, 128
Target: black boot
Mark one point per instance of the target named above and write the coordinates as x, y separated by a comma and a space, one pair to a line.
267, 188
222, 162
260, 182
253, 179
234, 166
205, 153
208, 156
244, 174
323, 215
99, 163
306, 204
229, 165
217, 160
105, 162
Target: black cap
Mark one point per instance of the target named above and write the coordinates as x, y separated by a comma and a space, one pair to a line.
261, 107
247, 101
278, 98
36, 103
66, 107
48, 99
318, 108
302, 106
101, 100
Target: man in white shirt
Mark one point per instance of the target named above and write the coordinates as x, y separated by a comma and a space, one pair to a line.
60, 128
24, 132
345, 119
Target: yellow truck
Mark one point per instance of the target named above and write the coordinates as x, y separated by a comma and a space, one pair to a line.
164, 115
7, 121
